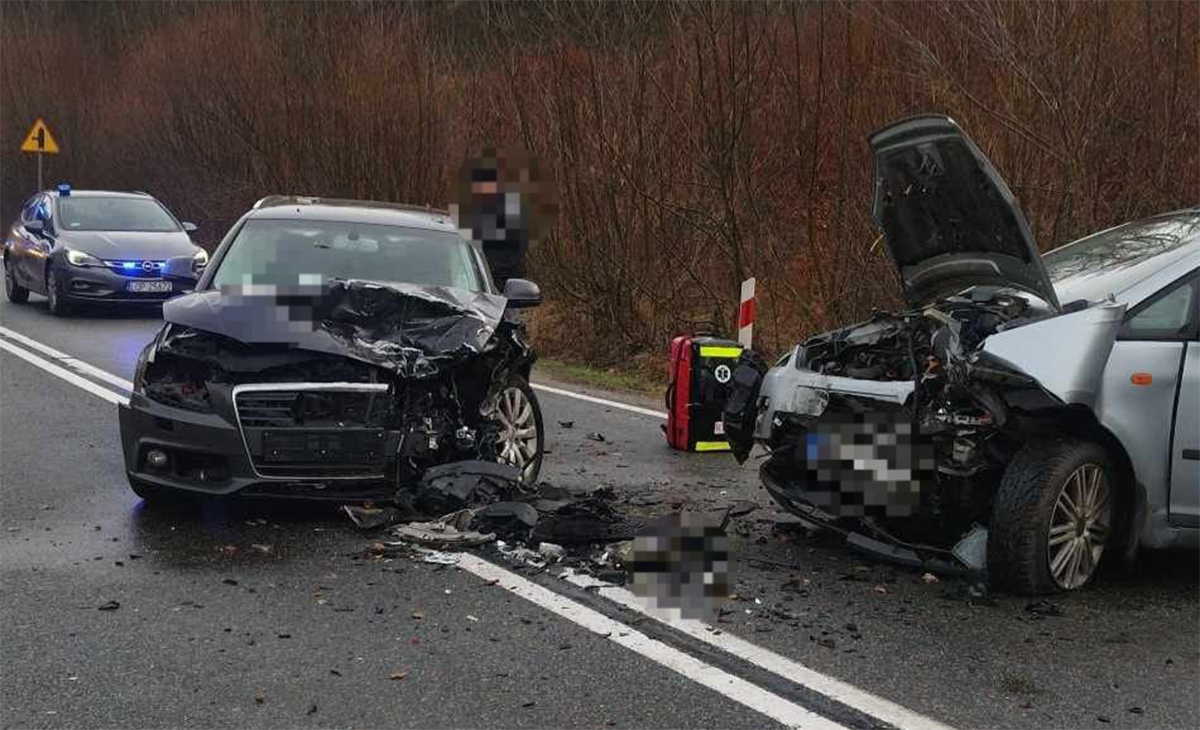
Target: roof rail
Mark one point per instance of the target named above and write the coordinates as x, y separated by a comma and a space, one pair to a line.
277, 200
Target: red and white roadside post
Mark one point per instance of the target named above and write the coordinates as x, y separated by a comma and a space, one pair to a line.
746, 314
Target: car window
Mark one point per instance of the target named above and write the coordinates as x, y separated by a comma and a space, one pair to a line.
1169, 316
35, 209
114, 214
1121, 247
292, 253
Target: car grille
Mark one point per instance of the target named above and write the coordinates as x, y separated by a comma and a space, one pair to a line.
312, 430
139, 270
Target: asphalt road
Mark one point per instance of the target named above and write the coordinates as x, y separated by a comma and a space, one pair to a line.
276, 616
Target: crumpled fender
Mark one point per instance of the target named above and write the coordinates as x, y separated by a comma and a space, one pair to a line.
1066, 354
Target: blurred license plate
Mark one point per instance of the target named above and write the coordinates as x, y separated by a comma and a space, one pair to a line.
150, 286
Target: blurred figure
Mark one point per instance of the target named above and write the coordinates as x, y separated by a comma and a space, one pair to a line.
502, 203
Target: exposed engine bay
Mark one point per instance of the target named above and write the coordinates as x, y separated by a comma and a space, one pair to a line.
900, 427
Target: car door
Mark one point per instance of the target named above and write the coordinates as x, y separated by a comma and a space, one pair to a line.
24, 245
1143, 398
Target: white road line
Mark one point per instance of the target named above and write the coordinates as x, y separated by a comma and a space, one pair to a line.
739, 690
70, 377
791, 670
68, 360
599, 401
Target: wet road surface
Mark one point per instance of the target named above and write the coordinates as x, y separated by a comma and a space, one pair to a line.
272, 615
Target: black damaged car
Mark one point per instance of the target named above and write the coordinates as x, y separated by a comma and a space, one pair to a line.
332, 349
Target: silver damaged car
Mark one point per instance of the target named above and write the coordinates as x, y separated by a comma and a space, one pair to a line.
1025, 417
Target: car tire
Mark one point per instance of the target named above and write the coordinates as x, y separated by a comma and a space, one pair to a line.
513, 421
16, 293
56, 301
154, 495
1052, 517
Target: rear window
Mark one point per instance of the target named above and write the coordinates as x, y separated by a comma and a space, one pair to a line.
114, 214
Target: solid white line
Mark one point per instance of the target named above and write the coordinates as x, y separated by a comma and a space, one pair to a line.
793, 671
599, 401
68, 360
66, 375
739, 690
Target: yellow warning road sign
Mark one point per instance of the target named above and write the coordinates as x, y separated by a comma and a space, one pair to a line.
39, 139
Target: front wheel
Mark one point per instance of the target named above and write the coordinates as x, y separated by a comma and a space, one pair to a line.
16, 293
522, 437
56, 301
1052, 517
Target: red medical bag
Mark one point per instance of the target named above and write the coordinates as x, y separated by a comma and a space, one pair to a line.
701, 371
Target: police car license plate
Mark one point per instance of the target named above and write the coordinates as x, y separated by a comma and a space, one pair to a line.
150, 286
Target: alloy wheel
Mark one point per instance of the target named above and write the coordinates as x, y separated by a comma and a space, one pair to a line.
1079, 526
518, 439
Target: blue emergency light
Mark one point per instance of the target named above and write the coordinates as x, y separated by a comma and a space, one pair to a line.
64, 190
129, 264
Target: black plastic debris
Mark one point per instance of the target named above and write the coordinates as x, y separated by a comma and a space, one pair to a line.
597, 437
587, 520
567, 424
453, 487
509, 520
371, 518
109, 606
1043, 607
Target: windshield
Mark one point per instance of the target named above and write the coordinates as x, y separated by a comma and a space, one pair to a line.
298, 252
114, 214
1121, 247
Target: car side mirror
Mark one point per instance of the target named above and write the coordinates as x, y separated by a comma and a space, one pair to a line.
181, 269
522, 293
35, 226
190, 227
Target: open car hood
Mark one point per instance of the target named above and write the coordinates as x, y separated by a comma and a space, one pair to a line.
949, 219
414, 331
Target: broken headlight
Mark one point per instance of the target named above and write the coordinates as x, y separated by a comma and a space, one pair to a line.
168, 381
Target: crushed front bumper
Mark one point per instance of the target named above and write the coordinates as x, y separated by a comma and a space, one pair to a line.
207, 455
968, 557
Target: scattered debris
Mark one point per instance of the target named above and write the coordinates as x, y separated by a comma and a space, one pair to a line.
567, 424
449, 531
551, 552
472, 618
510, 520
398, 675
259, 547
741, 507
312, 709
929, 578
597, 437
1043, 607
109, 606
369, 517
462, 484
